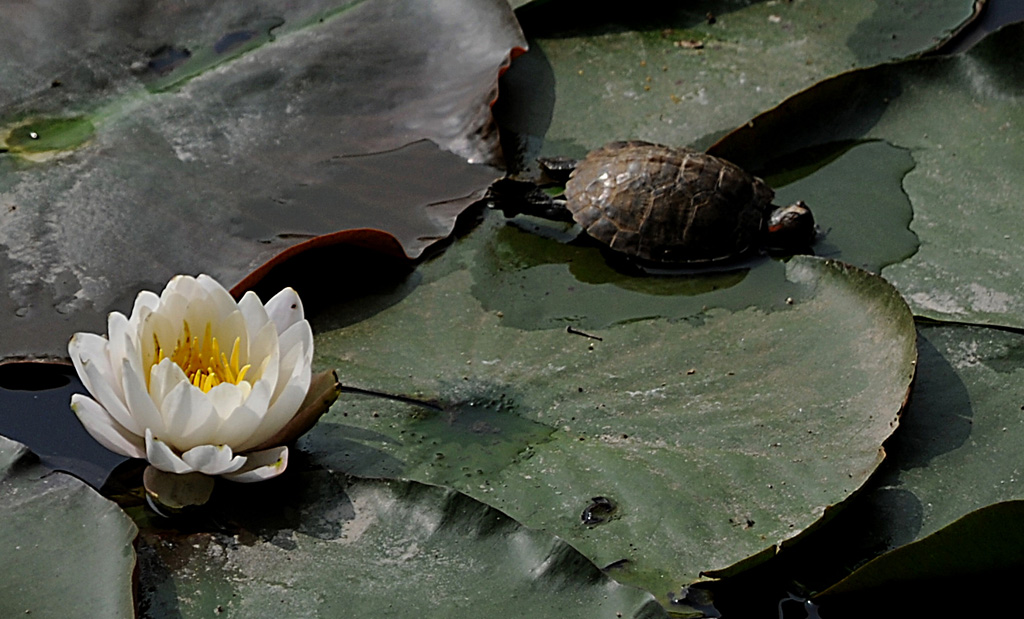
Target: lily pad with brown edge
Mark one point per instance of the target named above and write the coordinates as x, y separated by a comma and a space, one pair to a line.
686, 73
66, 548
323, 545
960, 119
146, 141
715, 439
951, 493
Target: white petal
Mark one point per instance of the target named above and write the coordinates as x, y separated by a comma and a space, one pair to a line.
236, 429
89, 348
217, 294
161, 456
265, 355
261, 465
143, 410
284, 407
180, 285
201, 311
145, 302
119, 340
189, 416
229, 327
253, 311
89, 355
213, 459
201, 433
259, 396
157, 328
173, 307
226, 397
102, 427
163, 378
296, 345
285, 309
149, 417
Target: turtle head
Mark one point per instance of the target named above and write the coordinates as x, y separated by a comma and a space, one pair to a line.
790, 228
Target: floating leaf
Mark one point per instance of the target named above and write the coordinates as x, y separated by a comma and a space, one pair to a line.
959, 117
146, 141
685, 73
953, 488
68, 549
371, 548
715, 438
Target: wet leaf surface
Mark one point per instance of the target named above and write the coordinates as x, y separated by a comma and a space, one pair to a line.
686, 73
960, 119
53, 569
954, 485
658, 436
856, 195
749, 423
318, 544
145, 141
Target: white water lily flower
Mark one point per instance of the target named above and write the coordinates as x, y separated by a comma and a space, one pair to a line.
196, 383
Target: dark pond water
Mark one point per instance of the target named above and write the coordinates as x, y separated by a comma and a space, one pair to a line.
996, 14
35, 410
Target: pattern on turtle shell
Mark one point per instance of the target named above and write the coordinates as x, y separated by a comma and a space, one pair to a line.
667, 205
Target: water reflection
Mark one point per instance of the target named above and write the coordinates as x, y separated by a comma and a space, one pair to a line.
539, 275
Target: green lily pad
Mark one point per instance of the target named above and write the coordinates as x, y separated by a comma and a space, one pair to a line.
855, 192
543, 274
370, 548
66, 547
142, 142
713, 439
953, 487
685, 73
959, 117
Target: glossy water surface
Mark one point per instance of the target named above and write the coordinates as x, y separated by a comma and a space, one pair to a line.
35, 410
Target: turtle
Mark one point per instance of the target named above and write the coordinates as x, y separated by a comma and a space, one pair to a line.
669, 205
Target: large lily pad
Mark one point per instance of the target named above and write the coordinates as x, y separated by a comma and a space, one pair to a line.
944, 506
65, 548
148, 140
370, 548
955, 479
959, 116
715, 438
684, 73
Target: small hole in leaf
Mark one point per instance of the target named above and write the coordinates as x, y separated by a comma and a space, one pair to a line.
33, 376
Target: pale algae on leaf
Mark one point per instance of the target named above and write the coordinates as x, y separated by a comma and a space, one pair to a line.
718, 437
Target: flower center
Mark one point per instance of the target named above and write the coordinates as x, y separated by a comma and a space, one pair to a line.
202, 360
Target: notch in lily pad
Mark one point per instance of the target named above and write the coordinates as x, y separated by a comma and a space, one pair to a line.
46, 135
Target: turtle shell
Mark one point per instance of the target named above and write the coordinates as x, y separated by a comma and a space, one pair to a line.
667, 205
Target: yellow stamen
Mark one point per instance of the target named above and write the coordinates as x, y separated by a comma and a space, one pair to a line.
202, 360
